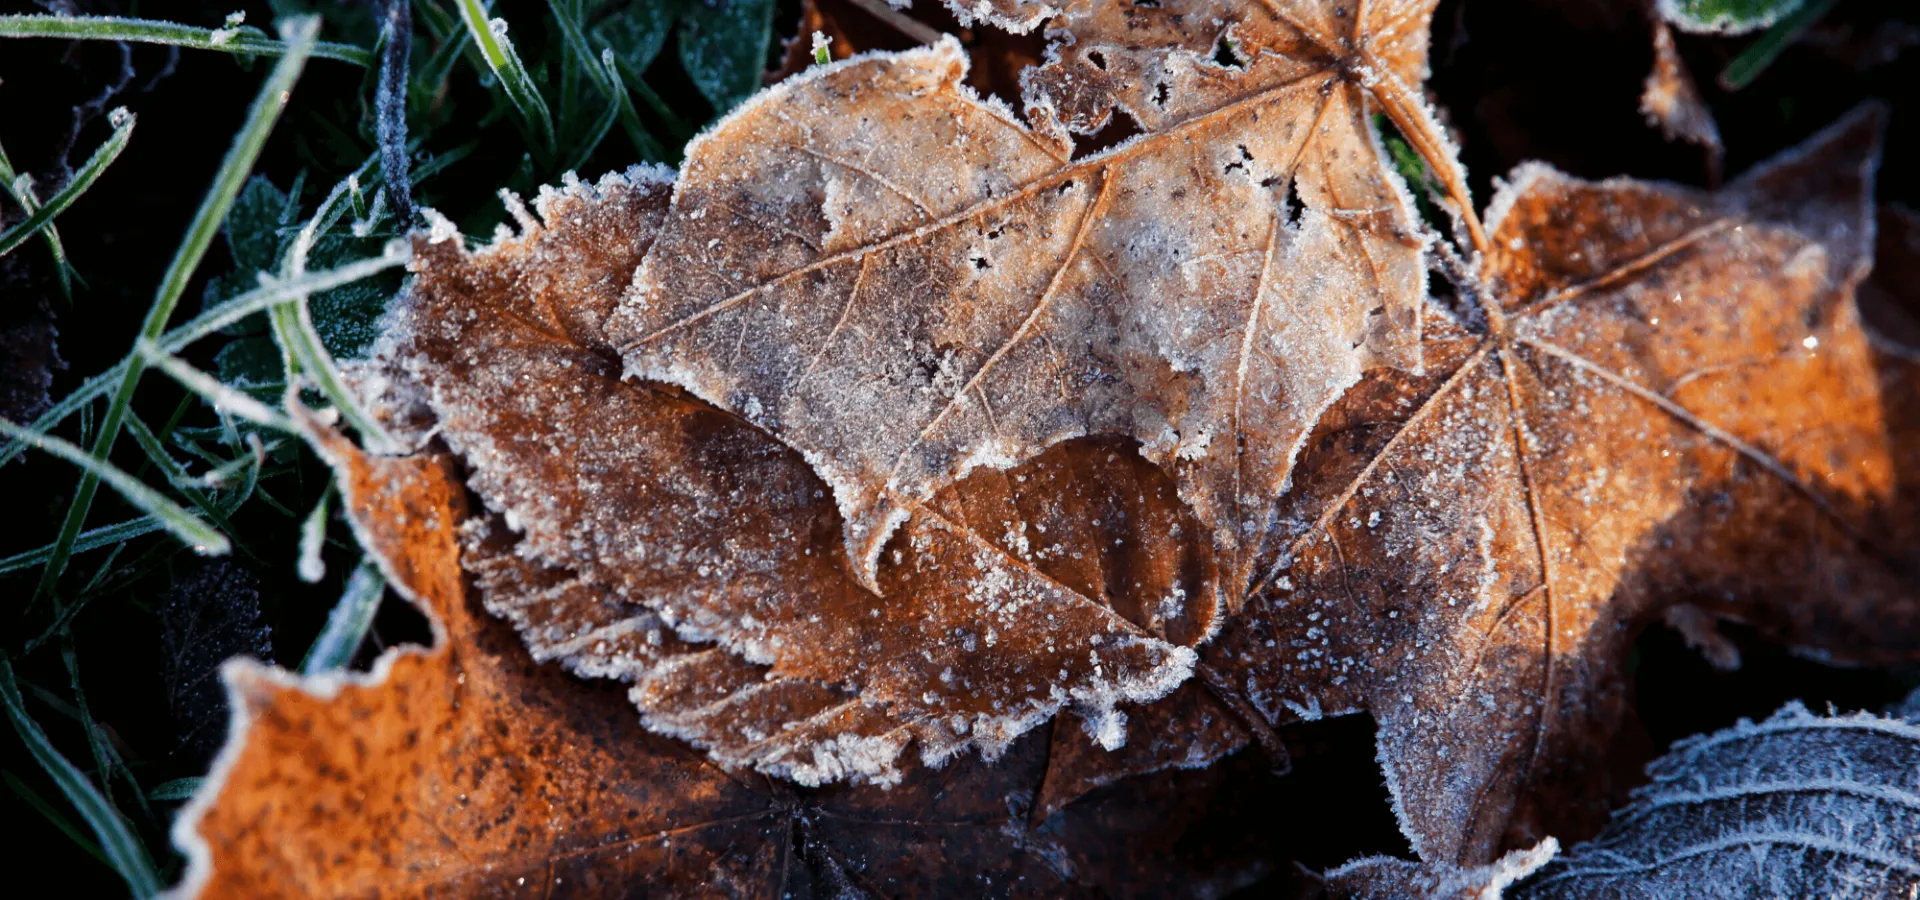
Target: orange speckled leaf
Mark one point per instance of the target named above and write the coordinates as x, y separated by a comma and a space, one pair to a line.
1665, 397
469, 770
631, 523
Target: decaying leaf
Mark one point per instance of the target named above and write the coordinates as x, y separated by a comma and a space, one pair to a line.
905, 282
650, 519
1386, 878
1796, 806
1671, 100
1665, 396
1661, 397
470, 770
206, 616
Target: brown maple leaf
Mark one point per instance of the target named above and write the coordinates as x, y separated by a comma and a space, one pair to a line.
469, 770
1662, 397
905, 282
632, 520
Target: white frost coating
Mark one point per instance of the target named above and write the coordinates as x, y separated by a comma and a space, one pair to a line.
440, 229
1107, 727
1507, 191
1798, 805
237, 672
1725, 21
1027, 14
851, 757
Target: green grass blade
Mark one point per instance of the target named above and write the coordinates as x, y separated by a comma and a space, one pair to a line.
59, 821
348, 623
200, 234
177, 476
22, 194
124, 851
184, 525
108, 151
117, 533
491, 37
313, 537
175, 790
259, 300
246, 41
1762, 52
211, 390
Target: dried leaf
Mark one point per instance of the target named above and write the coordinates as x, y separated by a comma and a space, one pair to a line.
905, 282
1667, 398
1796, 806
468, 769
1386, 878
650, 520
207, 617
1672, 102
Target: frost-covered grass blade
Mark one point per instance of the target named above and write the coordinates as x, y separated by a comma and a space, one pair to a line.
241, 40
42, 218
122, 849
200, 234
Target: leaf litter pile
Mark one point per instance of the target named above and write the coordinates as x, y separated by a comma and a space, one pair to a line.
964, 503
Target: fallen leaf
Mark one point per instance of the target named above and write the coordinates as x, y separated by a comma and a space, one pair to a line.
206, 616
1664, 396
905, 282
1387, 878
1797, 806
631, 519
468, 769
1671, 101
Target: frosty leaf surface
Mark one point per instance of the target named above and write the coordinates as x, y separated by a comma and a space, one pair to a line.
1671, 100
1664, 396
629, 519
906, 282
1796, 806
468, 769
1387, 878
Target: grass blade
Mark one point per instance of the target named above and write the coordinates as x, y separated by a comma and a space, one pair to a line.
117, 533
184, 525
59, 821
491, 37
125, 852
347, 624
200, 234
175, 790
22, 194
258, 300
211, 390
1762, 52
108, 151
313, 536
245, 41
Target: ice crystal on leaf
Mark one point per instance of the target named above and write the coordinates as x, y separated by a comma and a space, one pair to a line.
905, 281
1633, 419
888, 430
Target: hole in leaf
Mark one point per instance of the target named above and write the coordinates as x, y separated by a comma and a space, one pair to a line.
1226, 55
1120, 126
1098, 59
